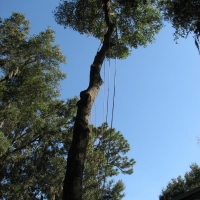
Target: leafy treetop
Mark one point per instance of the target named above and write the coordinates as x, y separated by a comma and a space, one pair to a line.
30, 61
136, 22
32, 120
184, 16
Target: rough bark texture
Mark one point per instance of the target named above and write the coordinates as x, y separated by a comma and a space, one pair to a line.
72, 189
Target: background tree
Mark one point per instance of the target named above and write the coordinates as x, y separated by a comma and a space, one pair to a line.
184, 16
38, 167
105, 158
180, 185
32, 120
36, 127
120, 25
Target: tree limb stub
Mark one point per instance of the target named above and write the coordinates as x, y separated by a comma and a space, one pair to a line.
72, 189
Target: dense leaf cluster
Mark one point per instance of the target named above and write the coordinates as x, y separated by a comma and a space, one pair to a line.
136, 22
184, 16
105, 159
36, 127
180, 185
32, 120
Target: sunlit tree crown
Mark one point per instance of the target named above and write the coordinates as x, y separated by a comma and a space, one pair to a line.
136, 22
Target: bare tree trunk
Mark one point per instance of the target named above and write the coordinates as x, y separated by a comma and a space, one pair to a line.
72, 189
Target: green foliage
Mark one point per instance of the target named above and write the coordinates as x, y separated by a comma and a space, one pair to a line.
32, 120
135, 23
113, 192
29, 61
105, 158
184, 16
4, 144
35, 161
36, 127
180, 185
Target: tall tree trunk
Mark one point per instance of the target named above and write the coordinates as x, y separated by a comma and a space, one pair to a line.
72, 189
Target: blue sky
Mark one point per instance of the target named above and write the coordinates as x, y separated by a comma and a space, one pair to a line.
157, 103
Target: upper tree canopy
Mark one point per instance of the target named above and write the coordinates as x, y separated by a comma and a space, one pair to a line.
33, 121
184, 15
136, 22
32, 61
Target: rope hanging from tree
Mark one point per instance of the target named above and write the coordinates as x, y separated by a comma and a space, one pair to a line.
107, 110
112, 114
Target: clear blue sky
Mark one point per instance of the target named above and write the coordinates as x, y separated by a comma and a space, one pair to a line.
157, 104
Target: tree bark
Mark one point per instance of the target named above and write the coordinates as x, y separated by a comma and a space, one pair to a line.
72, 189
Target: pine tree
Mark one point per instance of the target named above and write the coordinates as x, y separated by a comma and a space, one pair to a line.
105, 158
180, 185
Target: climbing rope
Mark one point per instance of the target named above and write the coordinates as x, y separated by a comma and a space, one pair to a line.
112, 116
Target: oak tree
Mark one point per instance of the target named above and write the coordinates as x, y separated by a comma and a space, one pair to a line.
120, 25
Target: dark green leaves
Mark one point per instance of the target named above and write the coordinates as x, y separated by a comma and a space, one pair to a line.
32, 121
135, 23
36, 127
29, 65
183, 14
106, 158
180, 185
